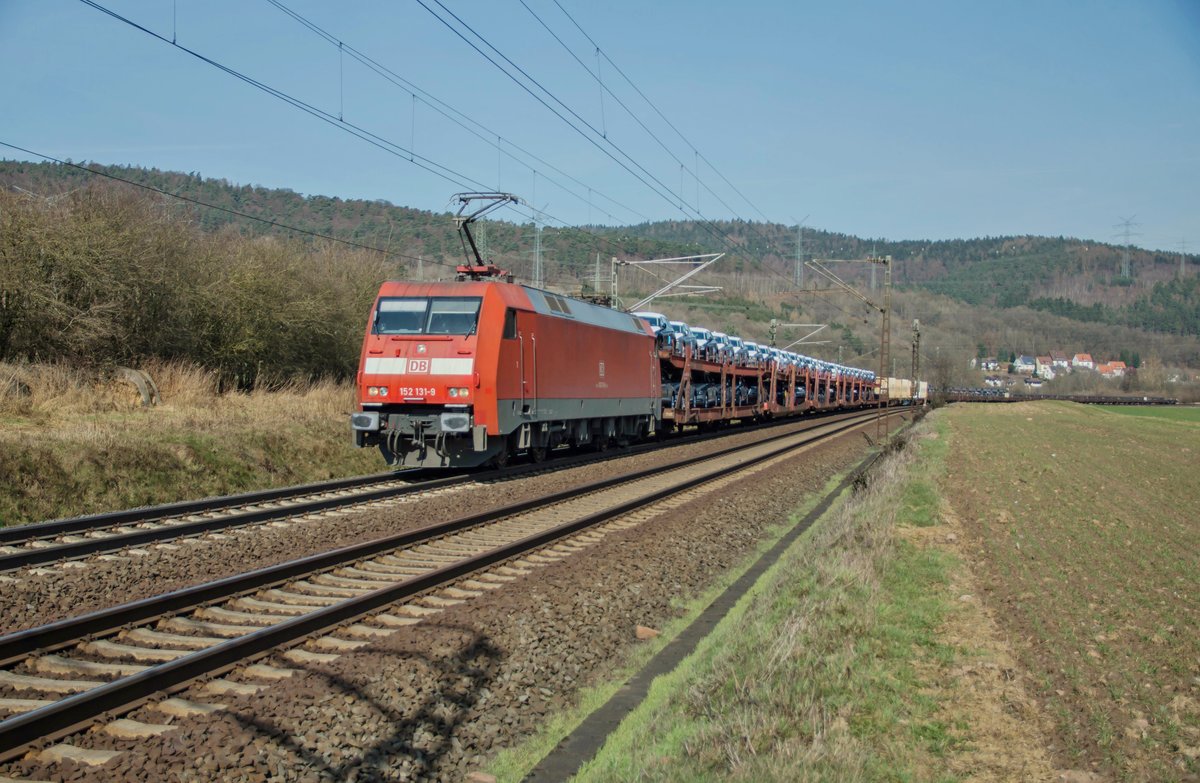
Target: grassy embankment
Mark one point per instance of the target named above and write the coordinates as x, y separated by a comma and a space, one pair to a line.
1084, 527
821, 671
71, 446
818, 672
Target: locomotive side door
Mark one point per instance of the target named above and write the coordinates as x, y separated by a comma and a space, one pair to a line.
528, 338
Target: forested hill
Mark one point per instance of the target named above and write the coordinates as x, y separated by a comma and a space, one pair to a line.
919, 261
1078, 279
1075, 278
409, 232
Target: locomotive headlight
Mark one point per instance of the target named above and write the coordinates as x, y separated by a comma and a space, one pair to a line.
383, 390
453, 391
456, 391
372, 391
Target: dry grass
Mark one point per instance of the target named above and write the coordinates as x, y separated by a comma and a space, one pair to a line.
78, 442
1084, 525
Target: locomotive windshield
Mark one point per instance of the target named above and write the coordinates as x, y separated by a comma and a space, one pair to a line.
421, 315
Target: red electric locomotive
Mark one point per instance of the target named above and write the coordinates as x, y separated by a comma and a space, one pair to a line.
468, 373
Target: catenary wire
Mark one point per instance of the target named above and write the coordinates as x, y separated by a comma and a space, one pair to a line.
704, 222
669, 198
460, 118
398, 150
433, 167
638, 120
375, 140
201, 203
659, 112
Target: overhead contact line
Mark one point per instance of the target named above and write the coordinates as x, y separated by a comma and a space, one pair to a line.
451, 113
604, 88
459, 179
707, 224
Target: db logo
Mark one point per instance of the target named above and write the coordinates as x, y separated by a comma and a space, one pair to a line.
418, 365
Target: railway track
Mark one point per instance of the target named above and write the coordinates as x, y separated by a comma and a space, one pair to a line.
60, 540
63, 540
62, 677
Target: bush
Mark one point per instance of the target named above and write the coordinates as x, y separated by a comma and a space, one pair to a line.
103, 276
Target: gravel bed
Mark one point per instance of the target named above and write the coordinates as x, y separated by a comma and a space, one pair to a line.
35, 599
436, 700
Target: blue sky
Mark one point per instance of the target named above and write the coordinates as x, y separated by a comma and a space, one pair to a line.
903, 120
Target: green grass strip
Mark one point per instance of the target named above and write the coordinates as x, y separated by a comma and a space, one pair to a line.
812, 675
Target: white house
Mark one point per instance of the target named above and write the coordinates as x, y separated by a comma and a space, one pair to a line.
1045, 367
1084, 361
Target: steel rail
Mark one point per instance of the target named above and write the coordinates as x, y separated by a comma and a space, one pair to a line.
67, 551
57, 527
77, 711
34, 556
63, 632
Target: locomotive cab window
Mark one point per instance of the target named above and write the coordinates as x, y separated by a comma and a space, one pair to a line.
510, 324
439, 315
453, 316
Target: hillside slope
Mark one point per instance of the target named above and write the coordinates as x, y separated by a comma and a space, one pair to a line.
990, 295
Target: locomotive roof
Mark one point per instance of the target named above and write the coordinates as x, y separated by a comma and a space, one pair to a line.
553, 304
522, 296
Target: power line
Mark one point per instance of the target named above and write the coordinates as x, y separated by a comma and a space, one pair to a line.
360, 132
660, 113
446, 173
207, 205
451, 113
1127, 224
227, 210
703, 221
392, 148
542, 100
600, 81
604, 88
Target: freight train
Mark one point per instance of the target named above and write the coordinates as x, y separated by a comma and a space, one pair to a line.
473, 372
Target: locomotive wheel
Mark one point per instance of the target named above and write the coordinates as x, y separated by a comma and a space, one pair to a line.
503, 457
538, 453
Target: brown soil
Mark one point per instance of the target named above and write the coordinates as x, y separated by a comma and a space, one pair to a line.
1080, 529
